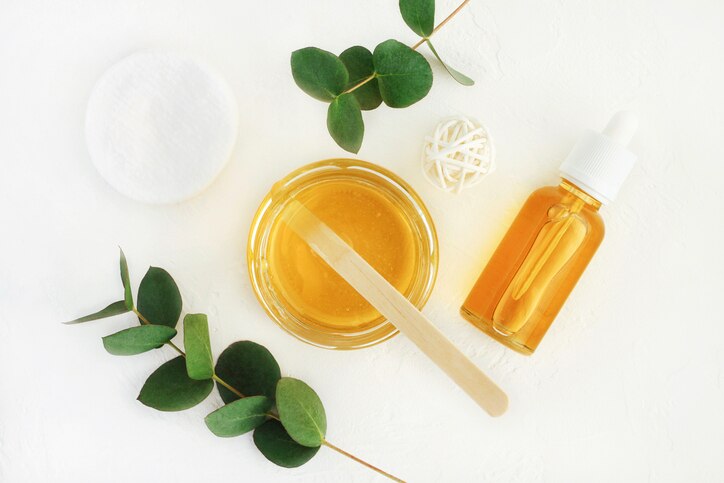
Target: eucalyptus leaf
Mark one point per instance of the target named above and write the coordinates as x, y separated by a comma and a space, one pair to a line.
419, 15
319, 73
137, 340
279, 448
127, 295
116, 308
404, 76
199, 361
249, 368
358, 61
345, 124
455, 74
159, 299
239, 417
170, 388
301, 412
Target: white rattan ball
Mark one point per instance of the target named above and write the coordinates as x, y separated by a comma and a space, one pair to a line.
458, 155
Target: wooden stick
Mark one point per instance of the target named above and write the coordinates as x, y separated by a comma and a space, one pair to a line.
396, 308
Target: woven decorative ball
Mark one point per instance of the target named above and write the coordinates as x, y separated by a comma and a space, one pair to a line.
458, 155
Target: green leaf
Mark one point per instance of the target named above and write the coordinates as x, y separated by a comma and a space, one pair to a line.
419, 15
199, 361
279, 448
138, 339
159, 299
116, 308
239, 417
455, 74
127, 295
169, 388
344, 123
358, 61
319, 73
249, 368
404, 75
301, 412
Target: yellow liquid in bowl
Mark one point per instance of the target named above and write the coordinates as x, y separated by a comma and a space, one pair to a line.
371, 223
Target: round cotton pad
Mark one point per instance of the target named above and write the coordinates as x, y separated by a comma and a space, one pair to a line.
160, 126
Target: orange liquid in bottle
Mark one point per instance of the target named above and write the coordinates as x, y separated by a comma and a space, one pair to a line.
536, 266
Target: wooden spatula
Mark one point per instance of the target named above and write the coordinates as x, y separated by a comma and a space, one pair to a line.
396, 308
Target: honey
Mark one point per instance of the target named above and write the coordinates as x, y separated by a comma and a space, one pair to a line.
377, 214
370, 223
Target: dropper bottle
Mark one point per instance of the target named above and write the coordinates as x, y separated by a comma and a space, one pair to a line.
551, 241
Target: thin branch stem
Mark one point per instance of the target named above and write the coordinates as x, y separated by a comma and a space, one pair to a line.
361, 461
145, 321
413, 47
441, 24
359, 84
227, 386
141, 316
176, 348
271, 414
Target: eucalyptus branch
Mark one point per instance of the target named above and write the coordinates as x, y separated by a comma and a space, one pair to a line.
284, 436
360, 80
413, 47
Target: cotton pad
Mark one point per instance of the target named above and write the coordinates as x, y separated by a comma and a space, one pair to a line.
160, 126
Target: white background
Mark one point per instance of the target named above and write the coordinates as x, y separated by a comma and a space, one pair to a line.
627, 386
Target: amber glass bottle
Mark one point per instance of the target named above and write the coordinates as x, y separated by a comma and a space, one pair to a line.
536, 266
550, 242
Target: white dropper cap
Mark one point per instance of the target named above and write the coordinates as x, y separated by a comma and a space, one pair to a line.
600, 162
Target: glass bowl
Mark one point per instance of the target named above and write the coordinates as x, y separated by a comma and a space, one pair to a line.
271, 279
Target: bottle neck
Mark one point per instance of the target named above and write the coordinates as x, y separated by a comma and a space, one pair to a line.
579, 193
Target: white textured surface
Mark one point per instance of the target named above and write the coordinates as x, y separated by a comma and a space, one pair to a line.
629, 383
